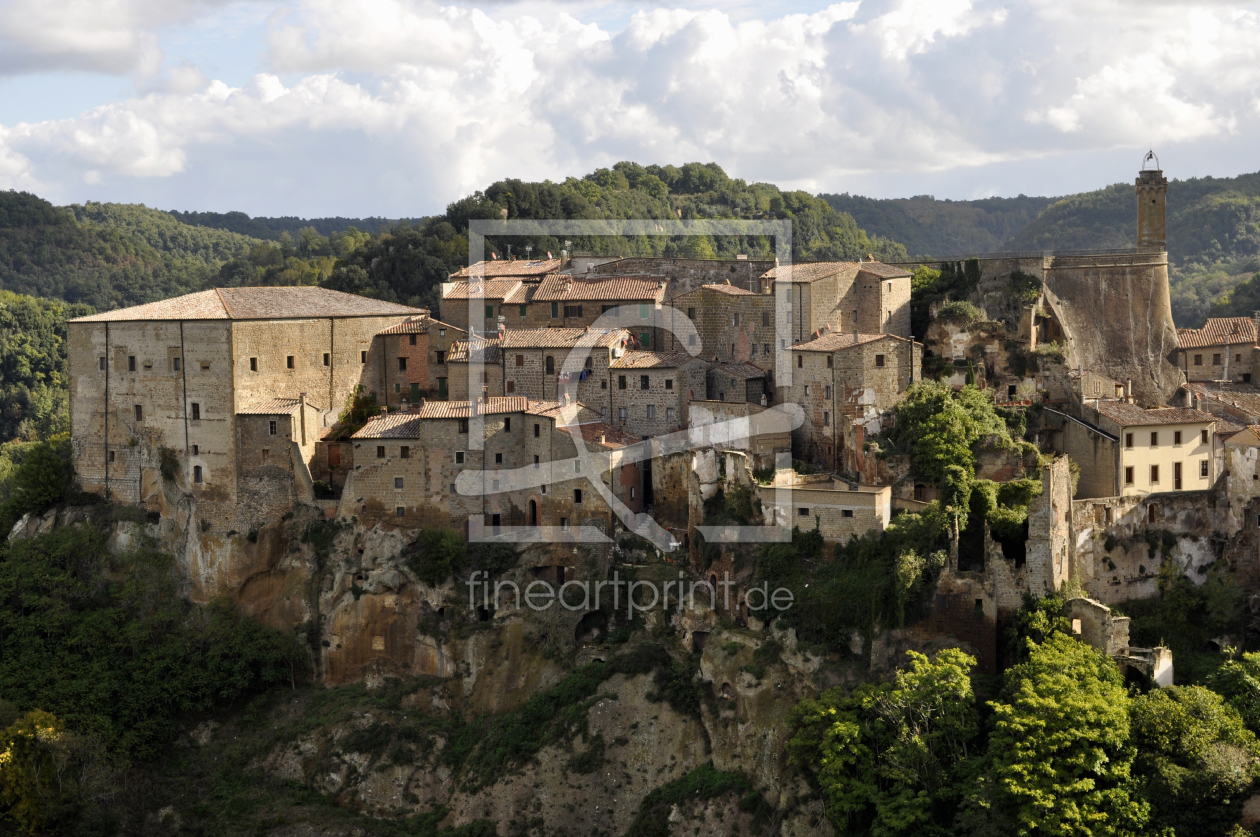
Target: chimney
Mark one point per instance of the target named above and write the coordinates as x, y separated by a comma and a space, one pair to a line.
870, 257
1128, 390
601, 438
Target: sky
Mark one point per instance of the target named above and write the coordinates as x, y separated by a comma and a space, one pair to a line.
395, 108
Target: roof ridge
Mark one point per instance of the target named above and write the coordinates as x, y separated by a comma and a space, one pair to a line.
219, 293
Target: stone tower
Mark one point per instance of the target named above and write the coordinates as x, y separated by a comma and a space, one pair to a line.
1152, 199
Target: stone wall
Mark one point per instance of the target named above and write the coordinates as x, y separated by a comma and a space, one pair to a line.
668, 391
686, 275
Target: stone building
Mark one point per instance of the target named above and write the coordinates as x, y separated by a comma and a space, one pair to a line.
563, 301
731, 323
738, 382
535, 361
180, 374
648, 392
1223, 350
847, 383
516, 458
839, 510
1125, 450
1237, 402
685, 275
867, 297
474, 306
480, 358
524, 269
413, 360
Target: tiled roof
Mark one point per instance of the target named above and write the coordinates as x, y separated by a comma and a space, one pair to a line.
1245, 397
418, 325
272, 407
494, 405
574, 411
1131, 415
742, 369
1218, 331
807, 271
732, 290
513, 267
277, 303
559, 338
838, 341
562, 288
614, 437
1226, 428
493, 289
521, 296
650, 360
486, 351
884, 271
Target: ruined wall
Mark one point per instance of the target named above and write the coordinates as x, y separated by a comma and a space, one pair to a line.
1050, 530
1096, 454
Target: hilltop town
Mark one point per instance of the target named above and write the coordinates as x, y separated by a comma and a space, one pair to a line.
913, 452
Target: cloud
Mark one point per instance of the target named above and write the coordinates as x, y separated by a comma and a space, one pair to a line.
451, 97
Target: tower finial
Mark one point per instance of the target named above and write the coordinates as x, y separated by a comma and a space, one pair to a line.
1150, 155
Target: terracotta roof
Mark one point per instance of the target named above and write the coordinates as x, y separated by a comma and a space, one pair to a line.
512, 267
276, 303
614, 437
1245, 397
1226, 428
808, 271
562, 288
272, 407
1131, 415
559, 338
484, 350
743, 369
732, 290
884, 271
573, 411
1218, 331
493, 289
418, 325
650, 360
494, 405
521, 296
837, 341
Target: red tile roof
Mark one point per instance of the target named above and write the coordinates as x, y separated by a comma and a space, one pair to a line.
807, 271
1245, 397
512, 267
651, 360
418, 325
493, 289
494, 405
562, 288
838, 341
273, 407
1131, 415
482, 349
732, 290
275, 303
1218, 331
560, 338
574, 411
614, 437
883, 271
743, 369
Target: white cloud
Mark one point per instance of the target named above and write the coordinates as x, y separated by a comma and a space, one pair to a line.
449, 98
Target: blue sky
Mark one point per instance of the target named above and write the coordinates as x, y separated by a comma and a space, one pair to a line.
397, 107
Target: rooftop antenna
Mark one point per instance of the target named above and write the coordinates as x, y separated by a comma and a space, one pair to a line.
529, 248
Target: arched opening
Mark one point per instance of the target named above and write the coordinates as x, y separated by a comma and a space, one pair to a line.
533, 512
551, 365
591, 628
698, 639
920, 492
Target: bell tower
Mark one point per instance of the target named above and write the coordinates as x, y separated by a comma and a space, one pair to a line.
1152, 200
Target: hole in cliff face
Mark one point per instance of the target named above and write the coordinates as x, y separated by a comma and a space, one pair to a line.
483, 614
591, 628
727, 692
698, 639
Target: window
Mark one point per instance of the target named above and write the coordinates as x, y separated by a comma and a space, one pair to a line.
1203, 436
507, 424
735, 319
1154, 438
632, 492
380, 451
402, 364
846, 512
1237, 358
197, 474
830, 361
520, 360
439, 357
669, 383
1203, 469
411, 340
288, 361
196, 411
328, 357
398, 482
645, 340
1176, 476
732, 349
1198, 360
139, 413
564, 524
577, 495
131, 363
807, 389
827, 392
102, 364
879, 360
196, 449
603, 412
489, 312
691, 340
174, 364
550, 365
463, 425
253, 364
765, 318
573, 310
752, 350
1128, 475
643, 311
1176, 437
669, 413
522, 310
1154, 475
363, 356
537, 429
826, 419
555, 309
1216, 360
400, 511
511, 386
459, 457
651, 411
496, 520
621, 382
802, 512
498, 459
111, 456
397, 387
800, 361
1128, 440
765, 349
271, 427
644, 382
577, 467
621, 414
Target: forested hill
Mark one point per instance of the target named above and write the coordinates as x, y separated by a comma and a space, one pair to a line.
273, 229
931, 227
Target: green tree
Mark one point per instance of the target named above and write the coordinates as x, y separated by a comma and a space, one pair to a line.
1238, 681
438, 554
1196, 759
1060, 748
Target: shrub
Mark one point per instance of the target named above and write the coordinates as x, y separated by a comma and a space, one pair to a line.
959, 311
437, 555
